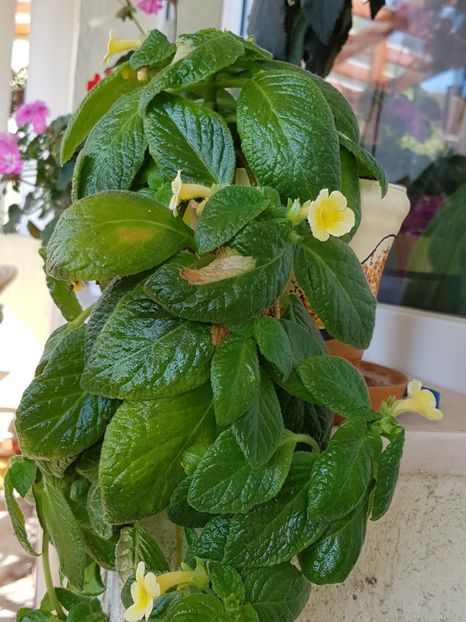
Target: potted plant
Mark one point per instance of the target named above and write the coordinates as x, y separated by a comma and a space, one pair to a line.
197, 384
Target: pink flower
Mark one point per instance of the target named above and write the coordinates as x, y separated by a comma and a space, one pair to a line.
10, 157
35, 113
150, 6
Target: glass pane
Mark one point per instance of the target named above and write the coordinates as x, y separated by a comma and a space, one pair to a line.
405, 76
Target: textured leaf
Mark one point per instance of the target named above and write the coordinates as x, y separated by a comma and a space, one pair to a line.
211, 542
25, 614
137, 545
226, 582
140, 465
261, 428
155, 50
113, 234
303, 417
367, 166
179, 510
197, 608
22, 473
387, 474
278, 594
16, 515
50, 345
225, 482
234, 371
342, 473
345, 119
276, 531
350, 187
57, 518
274, 344
114, 150
95, 105
64, 297
56, 418
228, 211
143, 353
331, 559
100, 550
334, 282
223, 298
187, 136
95, 510
288, 135
336, 384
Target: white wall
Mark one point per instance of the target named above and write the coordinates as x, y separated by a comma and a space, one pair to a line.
7, 32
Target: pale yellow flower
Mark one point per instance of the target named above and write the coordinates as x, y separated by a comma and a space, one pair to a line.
186, 192
329, 215
143, 592
116, 46
419, 400
176, 189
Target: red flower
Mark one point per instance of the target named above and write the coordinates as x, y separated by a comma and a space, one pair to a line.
92, 83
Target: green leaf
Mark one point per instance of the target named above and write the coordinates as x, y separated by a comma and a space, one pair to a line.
114, 150
140, 465
94, 106
342, 473
22, 473
100, 550
303, 417
276, 531
16, 515
81, 608
225, 213
335, 383
350, 187
186, 136
155, 50
197, 608
25, 614
234, 371
137, 545
248, 614
95, 510
260, 429
64, 297
204, 53
226, 582
334, 282
65, 533
50, 345
211, 542
225, 482
297, 313
367, 165
179, 510
387, 474
274, 344
288, 135
278, 594
331, 559
56, 418
232, 288
142, 352
113, 234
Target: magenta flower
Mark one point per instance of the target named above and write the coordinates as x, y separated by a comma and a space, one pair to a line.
150, 6
35, 113
10, 157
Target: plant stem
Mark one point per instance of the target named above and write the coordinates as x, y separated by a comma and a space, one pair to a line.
179, 545
48, 577
81, 317
305, 438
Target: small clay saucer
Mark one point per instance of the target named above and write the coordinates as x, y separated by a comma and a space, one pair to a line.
383, 383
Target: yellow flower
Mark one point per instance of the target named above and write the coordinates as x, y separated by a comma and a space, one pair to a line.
329, 215
143, 592
186, 192
115, 46
419, 400
176, 189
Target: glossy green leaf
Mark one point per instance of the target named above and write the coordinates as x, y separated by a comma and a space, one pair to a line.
155, 50
95, 105
260, 429
331, 559
64, 297
211, 542
50, 345
303, 417
114, 150
288, 134
197, 608
22, 473
234, 371
332, 279
278, 594
16, 515
276, 531
248, 614
342, 473
225, 482
188, 137
336, 384
113, 234
56, 418
25, 614
179, 510
100, 550
203, 54
228, 211
142, 352
350, 187
387, 474
274, 344
137, 545
367, 165
95, 510
226, 582
233, 287
140, 465
65, 533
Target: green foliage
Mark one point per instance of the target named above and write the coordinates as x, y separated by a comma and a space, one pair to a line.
387, 474
137, 545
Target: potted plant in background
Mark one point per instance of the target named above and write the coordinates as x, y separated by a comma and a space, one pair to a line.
211, 176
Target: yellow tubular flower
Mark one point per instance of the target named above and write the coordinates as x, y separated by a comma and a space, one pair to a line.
186, 192
329, 215
419, 400
116, 46
143, 592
